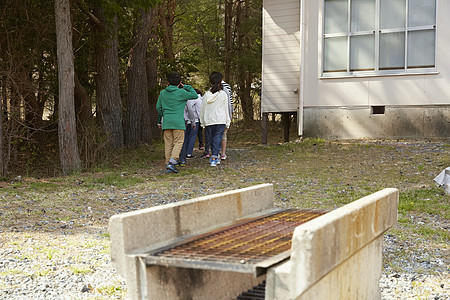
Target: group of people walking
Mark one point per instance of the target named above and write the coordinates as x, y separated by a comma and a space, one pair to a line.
183, 113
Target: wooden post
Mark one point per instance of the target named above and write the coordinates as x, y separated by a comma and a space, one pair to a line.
264, 126
286, 118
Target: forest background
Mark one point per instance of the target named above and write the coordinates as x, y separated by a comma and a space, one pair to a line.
80, 78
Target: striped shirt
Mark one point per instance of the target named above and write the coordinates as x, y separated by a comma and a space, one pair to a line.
227, 88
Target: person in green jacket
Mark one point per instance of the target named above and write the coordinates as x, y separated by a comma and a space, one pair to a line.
170, 107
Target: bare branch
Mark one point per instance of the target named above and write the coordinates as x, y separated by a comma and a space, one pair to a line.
88, 13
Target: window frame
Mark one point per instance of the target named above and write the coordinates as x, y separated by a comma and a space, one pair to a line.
376, 32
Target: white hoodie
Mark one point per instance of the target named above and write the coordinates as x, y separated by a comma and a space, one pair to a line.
215, 109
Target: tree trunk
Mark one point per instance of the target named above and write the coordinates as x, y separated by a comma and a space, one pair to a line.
246, 98
14, 124
228, 38
138, 110
67, 135
83, 106
33, 108
2, 100
247, 101
166, 20
245, 76
4, 111
152, 73
109, 102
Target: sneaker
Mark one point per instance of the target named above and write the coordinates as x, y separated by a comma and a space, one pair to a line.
181, 164
223, 156
171, 168
190, 156
213, 162
206, 155
202, 148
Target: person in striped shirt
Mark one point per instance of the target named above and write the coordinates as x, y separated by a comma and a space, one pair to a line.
227, 89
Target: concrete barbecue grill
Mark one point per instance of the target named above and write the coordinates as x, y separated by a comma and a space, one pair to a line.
217, 246
251, 246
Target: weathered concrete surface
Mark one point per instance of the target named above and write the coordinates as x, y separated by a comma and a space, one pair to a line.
356, 278
396, 122
278, 281
140, 231
182, 283
337, 255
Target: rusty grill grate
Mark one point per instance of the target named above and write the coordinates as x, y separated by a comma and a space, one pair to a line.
256, 293
256, 243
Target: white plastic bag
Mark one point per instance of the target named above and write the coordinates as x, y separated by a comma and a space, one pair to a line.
443, 179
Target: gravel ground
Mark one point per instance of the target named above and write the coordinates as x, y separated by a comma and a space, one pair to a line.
37, 266
416, 275
68, 258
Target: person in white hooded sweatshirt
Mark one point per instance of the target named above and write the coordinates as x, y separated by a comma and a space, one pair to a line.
215, 116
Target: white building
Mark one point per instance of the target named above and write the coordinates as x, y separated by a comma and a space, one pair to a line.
358, 68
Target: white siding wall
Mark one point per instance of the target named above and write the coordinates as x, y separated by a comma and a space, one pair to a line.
281, 55
402, 90
416, 105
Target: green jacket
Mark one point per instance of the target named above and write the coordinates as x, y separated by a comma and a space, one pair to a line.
170, 106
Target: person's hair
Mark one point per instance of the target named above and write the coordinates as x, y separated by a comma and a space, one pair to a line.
174, 78
217, 73
215, 79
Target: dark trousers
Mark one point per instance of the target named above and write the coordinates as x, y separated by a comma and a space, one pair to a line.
208, 139
215, 134
190, 136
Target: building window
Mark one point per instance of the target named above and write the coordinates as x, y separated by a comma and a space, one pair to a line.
378, 37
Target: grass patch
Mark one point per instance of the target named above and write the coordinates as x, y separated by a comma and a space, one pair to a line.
437, 235
49, 252
10, 272
77, 270
112, 291
431, 201
118, 180
42, 185
102, 179
131, 159
42, 272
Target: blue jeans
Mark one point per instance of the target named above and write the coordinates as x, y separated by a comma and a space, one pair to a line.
208, 139
190, 135
215, 133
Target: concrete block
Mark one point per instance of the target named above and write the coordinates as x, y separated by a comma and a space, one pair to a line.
431, 121
323, 244
356, 278
278, 281
140, 231
323, 123
437, 122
